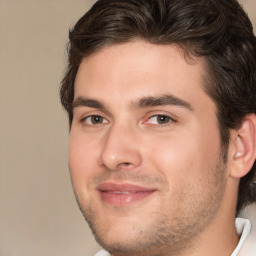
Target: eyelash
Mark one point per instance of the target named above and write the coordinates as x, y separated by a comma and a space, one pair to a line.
156, 117
104, 120
153, 118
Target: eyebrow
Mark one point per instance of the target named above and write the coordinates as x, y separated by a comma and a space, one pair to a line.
144, 102
162, 100
85, 102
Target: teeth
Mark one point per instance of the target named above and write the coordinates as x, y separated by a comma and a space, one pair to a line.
120, 192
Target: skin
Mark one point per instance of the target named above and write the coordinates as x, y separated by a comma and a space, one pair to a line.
172, 148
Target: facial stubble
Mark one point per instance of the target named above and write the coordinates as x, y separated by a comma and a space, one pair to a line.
171, 228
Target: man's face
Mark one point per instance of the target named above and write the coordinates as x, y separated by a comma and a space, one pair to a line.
144, 149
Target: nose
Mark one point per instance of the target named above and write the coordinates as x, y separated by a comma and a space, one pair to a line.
120, 149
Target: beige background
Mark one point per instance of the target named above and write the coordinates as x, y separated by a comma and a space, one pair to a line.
38, 213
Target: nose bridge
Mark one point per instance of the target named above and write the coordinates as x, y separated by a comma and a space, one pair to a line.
120, 148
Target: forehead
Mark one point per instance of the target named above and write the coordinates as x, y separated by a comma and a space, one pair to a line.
140, 68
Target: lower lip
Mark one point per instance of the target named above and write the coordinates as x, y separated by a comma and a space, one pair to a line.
121, 200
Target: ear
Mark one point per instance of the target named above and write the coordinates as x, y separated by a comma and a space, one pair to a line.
243, 148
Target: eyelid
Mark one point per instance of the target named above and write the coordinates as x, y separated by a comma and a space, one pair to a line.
91, 114
155, 114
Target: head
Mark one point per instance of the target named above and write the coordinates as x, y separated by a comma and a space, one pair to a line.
216, 33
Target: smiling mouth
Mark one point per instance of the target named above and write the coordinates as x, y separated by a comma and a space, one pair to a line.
122, 194
118, 192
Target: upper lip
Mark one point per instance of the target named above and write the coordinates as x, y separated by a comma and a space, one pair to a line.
124, 187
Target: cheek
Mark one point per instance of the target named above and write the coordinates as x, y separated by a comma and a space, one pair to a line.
185, 154
82, 157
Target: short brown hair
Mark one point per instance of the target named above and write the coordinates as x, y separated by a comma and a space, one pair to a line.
219, 31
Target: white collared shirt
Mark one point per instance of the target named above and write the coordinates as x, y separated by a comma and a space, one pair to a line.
243, 227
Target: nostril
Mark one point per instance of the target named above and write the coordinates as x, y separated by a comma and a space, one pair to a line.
125, 165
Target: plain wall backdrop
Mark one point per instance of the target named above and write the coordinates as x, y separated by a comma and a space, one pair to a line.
38, 212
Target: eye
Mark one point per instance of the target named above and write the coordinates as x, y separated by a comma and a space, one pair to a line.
160, 119
94, 120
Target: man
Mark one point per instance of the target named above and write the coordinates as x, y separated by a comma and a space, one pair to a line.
161, 97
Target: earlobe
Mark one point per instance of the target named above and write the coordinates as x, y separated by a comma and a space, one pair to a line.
244, 154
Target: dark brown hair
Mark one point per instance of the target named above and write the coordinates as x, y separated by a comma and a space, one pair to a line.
218, 31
